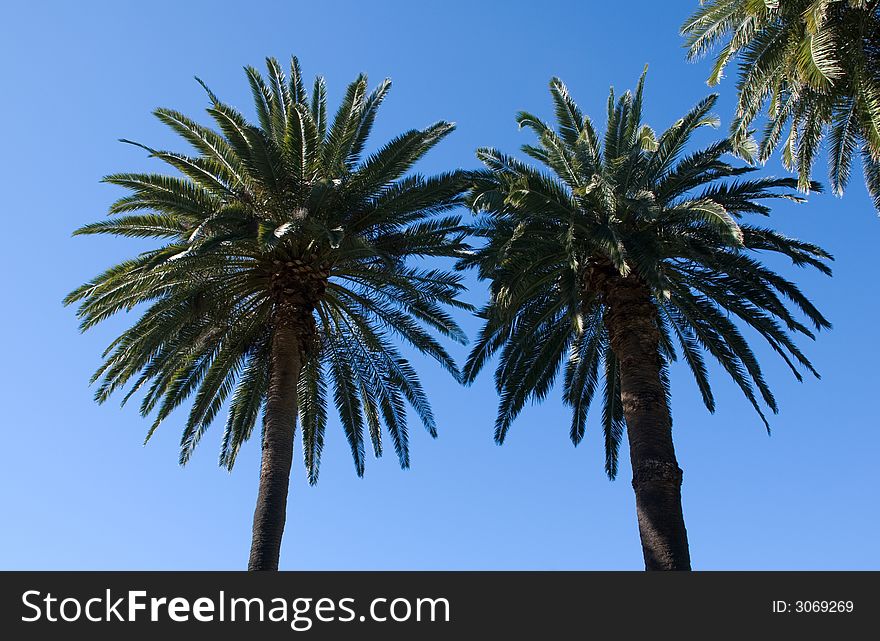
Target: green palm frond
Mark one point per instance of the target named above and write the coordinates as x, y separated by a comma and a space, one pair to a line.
813, 64
559, 237
291, 201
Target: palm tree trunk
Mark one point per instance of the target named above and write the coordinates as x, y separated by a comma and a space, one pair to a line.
279, 425
632, 326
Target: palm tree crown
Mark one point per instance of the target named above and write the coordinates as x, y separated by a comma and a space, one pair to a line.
626, 211
815, 64
285, 216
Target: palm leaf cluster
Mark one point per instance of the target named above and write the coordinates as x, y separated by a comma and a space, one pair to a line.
815, 64
627, 205
291, 203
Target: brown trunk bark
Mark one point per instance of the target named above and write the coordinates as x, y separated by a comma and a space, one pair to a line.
632, 327
279, 424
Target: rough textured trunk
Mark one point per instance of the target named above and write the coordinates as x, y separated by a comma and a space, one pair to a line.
632, 327
296, 286
279, 425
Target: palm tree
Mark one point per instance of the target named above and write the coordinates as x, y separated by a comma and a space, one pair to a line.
815, 64
283, 276
604, 261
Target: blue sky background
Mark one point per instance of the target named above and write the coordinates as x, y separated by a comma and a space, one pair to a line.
77, 489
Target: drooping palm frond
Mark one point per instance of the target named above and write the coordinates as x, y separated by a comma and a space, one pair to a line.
292, 199
634, 205
814, 64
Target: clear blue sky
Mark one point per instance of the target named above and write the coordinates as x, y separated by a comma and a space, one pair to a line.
77, 489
